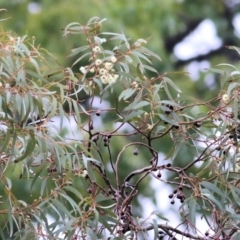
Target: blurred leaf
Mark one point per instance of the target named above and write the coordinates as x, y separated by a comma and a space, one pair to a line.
127, 93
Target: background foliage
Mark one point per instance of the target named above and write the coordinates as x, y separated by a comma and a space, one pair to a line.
36, 145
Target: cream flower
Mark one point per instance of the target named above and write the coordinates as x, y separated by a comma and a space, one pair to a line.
98, 62
92, 70
96, 49
103, 71
110, 79
102, 40
113, 59
115, 77
84, 173
104, 79
108, 65
225, 98
83, 70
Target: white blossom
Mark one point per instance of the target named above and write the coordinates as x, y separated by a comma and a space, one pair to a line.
84, 173
103, 71
96, 49
108, 65
92, 70
104, 79
98, 62
83, 70
113, 59
102, 40
225, 98
115, 77
110, 79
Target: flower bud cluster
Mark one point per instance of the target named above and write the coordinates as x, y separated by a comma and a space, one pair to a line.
105, 69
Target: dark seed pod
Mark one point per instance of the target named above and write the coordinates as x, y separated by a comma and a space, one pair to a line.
206, 233
91, 126
175, 191
180, 188
169, 110
170, 195
179, 196
98, 112
169, 165
198, 124
159, 175
135, 152
105, 139
105, 144
172, 202
89, 190
182, 200
95, 138
177, 127
109, 135
218, 148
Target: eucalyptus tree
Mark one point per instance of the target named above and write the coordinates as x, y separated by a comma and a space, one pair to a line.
76, 168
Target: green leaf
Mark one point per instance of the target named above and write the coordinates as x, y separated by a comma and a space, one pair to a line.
74, 191
43, 186
91, 234
235, 196
172, 84
136, 106
127, 93
231, 87
159, 215
192, 212
29, 148
212, 187
235, 110
208, 194
155, 228
150, 53
6, 140
76, 51
10, 220
133, 115
37, 176
168, 120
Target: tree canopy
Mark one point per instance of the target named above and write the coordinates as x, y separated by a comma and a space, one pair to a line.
81, 138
